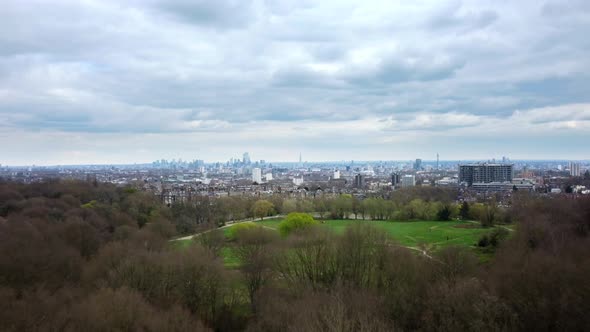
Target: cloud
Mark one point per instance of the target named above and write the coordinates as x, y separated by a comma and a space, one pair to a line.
219, 14
343, 77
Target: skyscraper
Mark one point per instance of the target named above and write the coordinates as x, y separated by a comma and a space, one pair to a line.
359, 181
437, 161
575, 169
257, 175
418, 165
246, 157
395, 179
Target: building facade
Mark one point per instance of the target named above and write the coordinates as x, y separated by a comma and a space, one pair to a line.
575, 169
485, 173
418, 165
256, 175
408, 181
359, 181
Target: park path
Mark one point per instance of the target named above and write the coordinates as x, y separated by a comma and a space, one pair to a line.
228, 224
231, 223
501, 226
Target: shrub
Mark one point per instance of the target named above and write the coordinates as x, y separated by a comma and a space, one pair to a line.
234, 231
296, 221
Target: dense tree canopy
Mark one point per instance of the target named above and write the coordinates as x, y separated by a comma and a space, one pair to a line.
82, 256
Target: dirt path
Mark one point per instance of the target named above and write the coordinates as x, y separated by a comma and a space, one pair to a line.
228, 224
501, 226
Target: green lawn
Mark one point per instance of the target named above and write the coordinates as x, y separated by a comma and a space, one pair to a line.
436, 234
430, 234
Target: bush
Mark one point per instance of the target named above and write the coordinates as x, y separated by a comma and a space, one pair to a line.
296, 221
493, 239
233, 231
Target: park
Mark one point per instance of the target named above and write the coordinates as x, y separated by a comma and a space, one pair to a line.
422, 236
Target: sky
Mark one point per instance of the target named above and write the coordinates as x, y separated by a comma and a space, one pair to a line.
101, 82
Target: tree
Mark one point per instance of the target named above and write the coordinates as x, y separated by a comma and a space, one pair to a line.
464, 211
262, 208
213, 240
320, 207
289, 205
252, 250
444, 213
296, 221
485, 213
342, 206
233, 231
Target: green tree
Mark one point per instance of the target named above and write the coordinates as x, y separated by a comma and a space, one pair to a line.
262, 208
464, 211
444, 213
296, 221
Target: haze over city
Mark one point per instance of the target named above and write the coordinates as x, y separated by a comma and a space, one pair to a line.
99, 82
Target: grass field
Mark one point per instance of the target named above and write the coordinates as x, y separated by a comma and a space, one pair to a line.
431, 235
435, 234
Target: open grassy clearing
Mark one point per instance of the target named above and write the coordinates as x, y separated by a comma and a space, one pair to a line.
432, 235
412, 233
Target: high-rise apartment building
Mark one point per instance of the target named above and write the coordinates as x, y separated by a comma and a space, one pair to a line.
257, 175
395, 179
485, 173
575, 169
408, 181
359, 181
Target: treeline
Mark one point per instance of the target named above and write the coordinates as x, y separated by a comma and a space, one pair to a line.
418, 203
74, 256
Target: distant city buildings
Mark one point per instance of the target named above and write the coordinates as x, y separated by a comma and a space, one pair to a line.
177, 179
257, 175
574, 169
437, 161
408, 181
418, 165
485, 173
359, 181
395, 179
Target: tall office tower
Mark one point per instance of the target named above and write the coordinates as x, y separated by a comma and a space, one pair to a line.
395, 179
256, 175
418, 165
575, 169
437, 160
246, 158
408, 181
359, 181
485, 173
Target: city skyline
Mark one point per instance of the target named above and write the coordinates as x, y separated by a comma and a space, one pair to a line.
434, 163
105, 82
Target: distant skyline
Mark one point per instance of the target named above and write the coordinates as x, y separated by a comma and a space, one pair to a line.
111, 82
358, 162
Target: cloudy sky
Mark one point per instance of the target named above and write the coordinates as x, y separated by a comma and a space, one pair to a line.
139, 80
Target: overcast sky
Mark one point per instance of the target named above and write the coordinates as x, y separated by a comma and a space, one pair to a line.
135, 81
